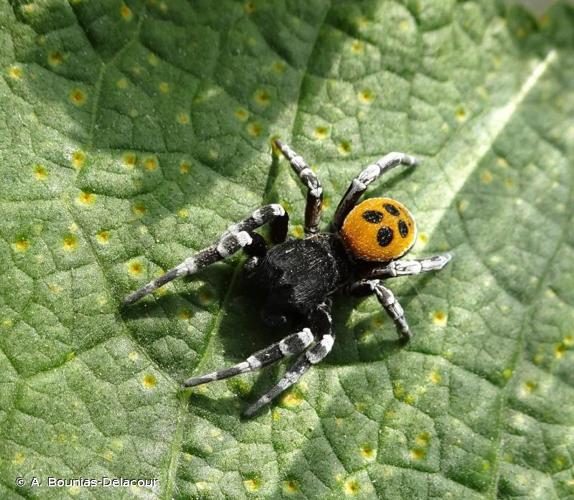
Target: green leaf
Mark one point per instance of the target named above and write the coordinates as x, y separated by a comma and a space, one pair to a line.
132, 134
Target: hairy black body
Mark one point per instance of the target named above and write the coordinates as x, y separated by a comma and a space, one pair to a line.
294, 277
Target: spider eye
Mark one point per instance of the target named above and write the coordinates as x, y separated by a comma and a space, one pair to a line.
373, 216
392, 209
385, 236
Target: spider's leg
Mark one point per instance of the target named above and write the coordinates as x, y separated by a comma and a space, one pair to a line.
315, 190
236, 237
310, 357
410, 267
292, 344
387, 299
368, 175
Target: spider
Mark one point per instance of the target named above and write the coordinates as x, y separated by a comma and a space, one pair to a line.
297, 277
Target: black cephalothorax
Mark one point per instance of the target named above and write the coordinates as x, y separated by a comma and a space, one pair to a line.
296, 278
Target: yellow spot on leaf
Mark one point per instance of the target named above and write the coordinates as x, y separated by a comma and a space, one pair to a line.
559, 351
117, 444
19, 458
149, 381
417, 454
86, 198
7, 323
262, 97
185, 314
486, 177
21, 245
139, 209
206, 296
55, 58
78, 97
357, 47
122, 83
530, 386
108, 455
70, 243
278, 67
462, 205
249, 7
501, 162
423, 238
74, 490
28, 8
460, 114
344, 148
367, 452
129, 160
184, 167
361, 22
103, 237
276, 415
423, 439
133, 356
241, 114
404, 25
164, 87
182, 118
297, 231
290, 487
135, 268
133, 113
254, 129
507, 373
321, 133
150, 163
78, 158
292, 399
439, 318
15, 72
153, 59
435, 377
366, 96
252, 484
126, 12
351, 487
40, 172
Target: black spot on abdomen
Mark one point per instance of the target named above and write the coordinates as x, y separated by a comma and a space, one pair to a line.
391, 209
385, 236
373, 216
403, 229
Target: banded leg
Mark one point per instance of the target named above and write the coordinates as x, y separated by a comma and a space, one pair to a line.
292, 344
315, 190
387, 299
310, 357
236, 237
410, 267
368, 175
